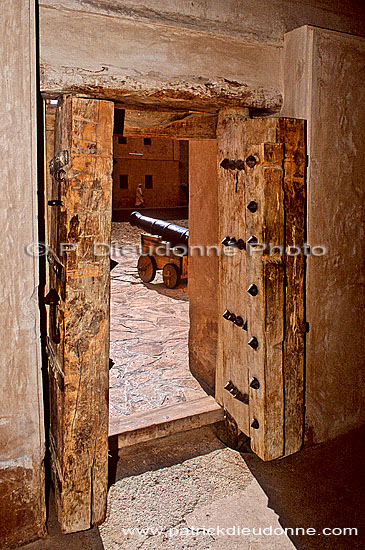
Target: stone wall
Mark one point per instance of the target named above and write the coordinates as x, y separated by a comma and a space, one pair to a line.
22, 505
323, 85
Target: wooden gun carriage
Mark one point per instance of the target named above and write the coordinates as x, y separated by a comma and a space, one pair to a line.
165, 247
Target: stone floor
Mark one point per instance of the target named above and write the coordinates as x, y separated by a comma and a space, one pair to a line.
148, 336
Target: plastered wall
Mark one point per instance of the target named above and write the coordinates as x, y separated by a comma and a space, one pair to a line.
324, 84
203, 271
22, 506
205, 51
261, 20
135, 159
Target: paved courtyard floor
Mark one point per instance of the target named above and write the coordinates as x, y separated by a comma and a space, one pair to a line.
148, 336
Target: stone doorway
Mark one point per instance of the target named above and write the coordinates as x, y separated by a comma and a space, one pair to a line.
151, 380
162, 367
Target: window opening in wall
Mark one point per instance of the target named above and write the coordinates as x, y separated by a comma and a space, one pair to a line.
148, 181
122, 140
123, 181
118, 122
147, 141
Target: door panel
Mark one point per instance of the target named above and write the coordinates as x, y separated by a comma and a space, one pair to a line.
232, 270
261, 174
78, 300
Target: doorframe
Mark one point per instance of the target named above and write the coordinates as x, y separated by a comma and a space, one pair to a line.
205, 411
188, 125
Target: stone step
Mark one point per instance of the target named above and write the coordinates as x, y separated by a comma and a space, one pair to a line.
149, 425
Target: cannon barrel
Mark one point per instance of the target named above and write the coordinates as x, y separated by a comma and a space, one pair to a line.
175, 234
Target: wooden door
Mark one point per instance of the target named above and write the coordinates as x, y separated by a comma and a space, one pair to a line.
261, 328
78, 216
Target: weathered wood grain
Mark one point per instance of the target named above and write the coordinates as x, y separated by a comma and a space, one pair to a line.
273, 416
189, 126
231, 360
265, 311
292, 134
79, 391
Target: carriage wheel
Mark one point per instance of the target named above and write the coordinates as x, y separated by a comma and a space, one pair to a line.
171, 275
146, 268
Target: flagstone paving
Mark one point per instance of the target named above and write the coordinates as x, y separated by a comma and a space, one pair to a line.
148, 336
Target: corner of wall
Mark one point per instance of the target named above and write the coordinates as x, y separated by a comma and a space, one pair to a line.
321, 85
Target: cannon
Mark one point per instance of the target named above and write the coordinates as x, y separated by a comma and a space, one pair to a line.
164, 246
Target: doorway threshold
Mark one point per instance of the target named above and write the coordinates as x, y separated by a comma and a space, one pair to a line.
154, 424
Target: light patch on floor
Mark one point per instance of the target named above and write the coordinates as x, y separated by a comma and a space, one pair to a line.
170, 490
160, 498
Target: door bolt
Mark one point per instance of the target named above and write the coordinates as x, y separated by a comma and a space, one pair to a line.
252, 206
241, 245
226, 314
251, 161
238, 321
252, 240
253, 290
55, 202
255, 424
253, 342
254, 384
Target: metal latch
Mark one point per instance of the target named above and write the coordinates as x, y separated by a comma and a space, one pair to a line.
236, 393
52, 299
57, 165
55, 202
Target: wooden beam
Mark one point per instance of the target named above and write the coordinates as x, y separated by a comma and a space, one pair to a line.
170, 125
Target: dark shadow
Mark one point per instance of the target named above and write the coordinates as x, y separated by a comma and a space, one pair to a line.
319, 487
56, 540
113, 459
174, 293
42, 264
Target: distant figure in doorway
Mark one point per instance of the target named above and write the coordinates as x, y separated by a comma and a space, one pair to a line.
185, 189
139, 196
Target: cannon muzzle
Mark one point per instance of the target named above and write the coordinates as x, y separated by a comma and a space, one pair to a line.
170, 232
